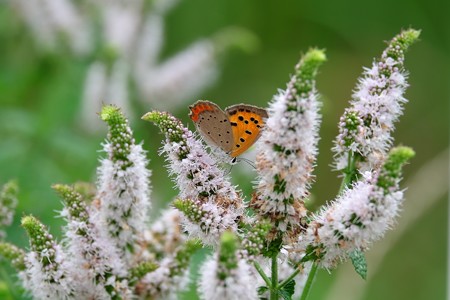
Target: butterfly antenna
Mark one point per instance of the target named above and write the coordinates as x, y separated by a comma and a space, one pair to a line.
247, 161
229, 170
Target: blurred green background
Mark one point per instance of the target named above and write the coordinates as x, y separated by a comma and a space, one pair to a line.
42, 142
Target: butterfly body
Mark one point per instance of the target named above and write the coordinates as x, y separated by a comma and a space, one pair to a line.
234, 130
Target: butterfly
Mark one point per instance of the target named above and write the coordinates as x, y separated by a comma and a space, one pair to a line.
234, 130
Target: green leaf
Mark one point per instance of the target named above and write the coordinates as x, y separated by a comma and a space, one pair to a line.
273, 248
288, 290
359, 263
284, 295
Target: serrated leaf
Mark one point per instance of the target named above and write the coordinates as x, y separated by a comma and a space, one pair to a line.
359, 263
273, 248
285, 295
288, 290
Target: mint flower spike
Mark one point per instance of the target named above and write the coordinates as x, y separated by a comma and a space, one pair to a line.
225, 275
73, 201
123, 185
8, 203
391, 172
119, 133
358, 217
87, 247
47, 275
172, 275
365, 128
14, 254
289, 149
210, 204
254, 241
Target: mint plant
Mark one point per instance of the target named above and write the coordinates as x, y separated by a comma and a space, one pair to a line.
267, 248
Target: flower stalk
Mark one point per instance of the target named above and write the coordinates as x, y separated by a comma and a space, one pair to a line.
210, 204
365, 128
309, 282
274, 277
288, 150
124, 186
262, 273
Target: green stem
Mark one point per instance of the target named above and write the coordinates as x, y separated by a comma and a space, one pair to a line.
261, 272
309, 281
349, 172
274, 285
349, 176
286, 281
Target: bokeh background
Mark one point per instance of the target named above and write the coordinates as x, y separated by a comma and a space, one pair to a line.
44, 140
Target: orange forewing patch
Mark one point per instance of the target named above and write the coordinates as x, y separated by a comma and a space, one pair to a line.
246, 122
198, 108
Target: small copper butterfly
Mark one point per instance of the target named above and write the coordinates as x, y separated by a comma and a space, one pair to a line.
233, 130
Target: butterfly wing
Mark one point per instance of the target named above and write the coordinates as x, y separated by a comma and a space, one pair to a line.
213, 124
246, 122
